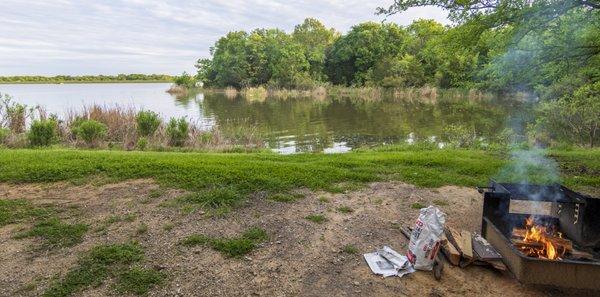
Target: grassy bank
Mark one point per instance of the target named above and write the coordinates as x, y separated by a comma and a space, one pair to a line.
234, 176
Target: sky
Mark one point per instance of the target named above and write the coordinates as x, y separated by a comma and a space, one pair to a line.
78, 37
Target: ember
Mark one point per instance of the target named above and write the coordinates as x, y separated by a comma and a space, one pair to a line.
540, 241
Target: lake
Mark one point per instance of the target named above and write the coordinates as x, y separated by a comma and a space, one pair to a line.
290, 125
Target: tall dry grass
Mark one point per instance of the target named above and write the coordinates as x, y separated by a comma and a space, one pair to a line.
122, 131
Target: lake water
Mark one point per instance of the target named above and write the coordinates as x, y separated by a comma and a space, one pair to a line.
295, 124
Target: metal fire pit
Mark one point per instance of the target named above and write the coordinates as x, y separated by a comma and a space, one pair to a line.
498, 222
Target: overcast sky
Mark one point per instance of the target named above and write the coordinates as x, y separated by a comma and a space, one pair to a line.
50, 37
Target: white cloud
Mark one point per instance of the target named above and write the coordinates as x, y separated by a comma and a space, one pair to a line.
153, 36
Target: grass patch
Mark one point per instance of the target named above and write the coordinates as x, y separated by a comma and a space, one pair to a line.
138, 281
130, 217
156, 193
141, 229
319, 219
219, 200
56, 234
94, 267
153, 195
350, 249
345, 209
323, 199
19, 210
440, 202
168, 226
285, 197
417, 205
229, 247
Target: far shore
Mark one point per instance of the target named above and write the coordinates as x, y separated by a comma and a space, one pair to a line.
83, 82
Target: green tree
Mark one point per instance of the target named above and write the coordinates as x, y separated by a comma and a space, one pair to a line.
314, 38
352, 56
230, 61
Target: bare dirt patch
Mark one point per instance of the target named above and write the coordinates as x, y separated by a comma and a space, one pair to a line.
301, 258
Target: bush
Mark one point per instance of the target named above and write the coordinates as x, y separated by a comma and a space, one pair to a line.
147, 123
177, 130
42, 133
185, 80
4, 133
90, 131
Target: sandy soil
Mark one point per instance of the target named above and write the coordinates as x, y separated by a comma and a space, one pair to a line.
302, 258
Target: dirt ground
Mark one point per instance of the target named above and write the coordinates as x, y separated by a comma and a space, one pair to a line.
302, 258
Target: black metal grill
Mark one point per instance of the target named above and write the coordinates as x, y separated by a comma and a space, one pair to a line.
577, 216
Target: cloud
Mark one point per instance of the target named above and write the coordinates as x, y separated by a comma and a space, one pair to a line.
153, 36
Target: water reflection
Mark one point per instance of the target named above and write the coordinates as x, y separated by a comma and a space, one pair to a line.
295, 125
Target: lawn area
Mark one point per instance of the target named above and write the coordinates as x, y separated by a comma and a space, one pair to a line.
250, 172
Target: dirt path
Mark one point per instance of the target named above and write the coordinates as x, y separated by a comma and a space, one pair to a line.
302, 258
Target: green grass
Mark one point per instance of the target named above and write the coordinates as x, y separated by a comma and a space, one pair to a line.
417, 205
56, 234
20, 210
319, 219
138, 281
102, 228
350, 249
229, 247
222, 199
345, 209
285, 197
93, 268
224, 179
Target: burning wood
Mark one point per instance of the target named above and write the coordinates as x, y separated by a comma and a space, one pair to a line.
541, 241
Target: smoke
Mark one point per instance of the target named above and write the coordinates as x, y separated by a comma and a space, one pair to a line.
530, 166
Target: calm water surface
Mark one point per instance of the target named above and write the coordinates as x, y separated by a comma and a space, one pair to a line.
294, 124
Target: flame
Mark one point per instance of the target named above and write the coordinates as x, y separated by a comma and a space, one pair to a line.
541, 234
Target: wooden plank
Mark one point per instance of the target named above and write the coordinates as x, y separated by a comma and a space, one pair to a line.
450, 251
453, 237
466, 245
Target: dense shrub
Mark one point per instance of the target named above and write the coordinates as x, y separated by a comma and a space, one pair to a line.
177, 130
572, 119
147, 123
42, 133
90, 131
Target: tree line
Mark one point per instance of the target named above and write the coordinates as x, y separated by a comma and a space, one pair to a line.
546, 47
86, 78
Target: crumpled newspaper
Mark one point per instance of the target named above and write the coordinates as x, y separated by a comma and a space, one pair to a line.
387, 262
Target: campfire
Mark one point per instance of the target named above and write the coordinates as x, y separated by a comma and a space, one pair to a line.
541, 241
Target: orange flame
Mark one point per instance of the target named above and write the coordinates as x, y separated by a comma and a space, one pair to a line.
537, 233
